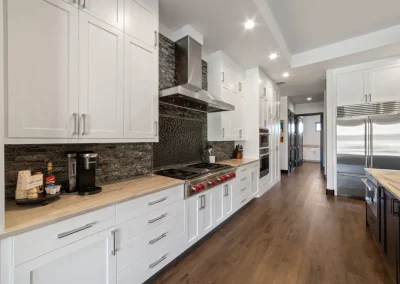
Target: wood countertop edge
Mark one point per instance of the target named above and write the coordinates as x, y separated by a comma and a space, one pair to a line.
383, 181
20, 229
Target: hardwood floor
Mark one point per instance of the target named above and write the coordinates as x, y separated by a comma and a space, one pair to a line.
292, 234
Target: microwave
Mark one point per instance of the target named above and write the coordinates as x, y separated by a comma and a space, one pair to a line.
264, 138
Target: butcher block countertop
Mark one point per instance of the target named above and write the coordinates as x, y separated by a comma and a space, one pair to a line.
389, 179
238, 162
20, 219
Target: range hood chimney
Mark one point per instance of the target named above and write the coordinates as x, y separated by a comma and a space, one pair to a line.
189, 93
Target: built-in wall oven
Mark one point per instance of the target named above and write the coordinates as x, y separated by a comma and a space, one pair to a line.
264, 138
264, 152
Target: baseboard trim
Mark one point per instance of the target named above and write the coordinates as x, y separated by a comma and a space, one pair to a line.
330, 192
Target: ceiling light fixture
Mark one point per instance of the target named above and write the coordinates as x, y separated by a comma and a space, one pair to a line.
273, 56
286, 74
309, 99
249, 24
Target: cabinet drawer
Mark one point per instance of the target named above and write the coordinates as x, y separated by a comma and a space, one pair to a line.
242, 200
41, 241
152, 263
141, 224
245, 170
130, 252
373, 223
241, 186
137, 207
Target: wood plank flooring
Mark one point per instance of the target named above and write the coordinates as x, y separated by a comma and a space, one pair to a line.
293, 234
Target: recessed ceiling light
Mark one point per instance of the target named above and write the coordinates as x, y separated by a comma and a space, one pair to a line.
286, 74
273, 56
309, 99
249, 24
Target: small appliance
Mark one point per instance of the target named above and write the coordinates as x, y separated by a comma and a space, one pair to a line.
71, 173
87, 163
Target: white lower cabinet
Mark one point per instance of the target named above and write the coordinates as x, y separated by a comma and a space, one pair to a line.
199, 216
89, 260
254, 180
223, 202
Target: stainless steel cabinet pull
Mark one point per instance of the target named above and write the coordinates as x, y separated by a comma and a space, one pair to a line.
154, 264
155, 39
243, 189
243, 170
223, 132
84, 124
392, 207
158, 201
243, 201
252, 176
223, 77
84, 4
365, 98
201, 202
369, 97
226, 190
155, 128
75, 130
243, 179
114, 234
158, 238
240, 87
87, 226
158, 218
204, 199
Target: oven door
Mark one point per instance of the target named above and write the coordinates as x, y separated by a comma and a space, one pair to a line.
371, 196
264, 140
264, 164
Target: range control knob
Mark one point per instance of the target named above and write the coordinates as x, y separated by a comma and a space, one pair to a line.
212, 182
232, 175
227, 177
196, 188
202, 187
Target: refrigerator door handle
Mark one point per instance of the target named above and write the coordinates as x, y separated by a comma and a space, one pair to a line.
371, 145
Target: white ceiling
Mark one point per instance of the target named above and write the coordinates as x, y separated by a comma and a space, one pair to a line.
303, 99
308, 24
304, 24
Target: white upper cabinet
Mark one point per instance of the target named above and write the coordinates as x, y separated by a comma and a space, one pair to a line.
141, 90
101, 79
42, 68
351, 88
141, 20
384, 84
108, 11
226, 77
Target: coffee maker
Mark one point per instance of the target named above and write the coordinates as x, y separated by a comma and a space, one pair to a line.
87, 163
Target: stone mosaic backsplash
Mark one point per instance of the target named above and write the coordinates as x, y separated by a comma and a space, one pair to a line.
183, 138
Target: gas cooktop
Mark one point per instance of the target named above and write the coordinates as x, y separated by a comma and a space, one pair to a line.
200, 177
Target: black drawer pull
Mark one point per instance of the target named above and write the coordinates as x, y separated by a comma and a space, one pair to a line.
393, 204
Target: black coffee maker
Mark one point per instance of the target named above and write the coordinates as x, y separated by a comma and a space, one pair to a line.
87, 163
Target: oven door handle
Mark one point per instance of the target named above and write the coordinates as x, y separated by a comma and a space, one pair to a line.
264, 155
264, 134
365, 181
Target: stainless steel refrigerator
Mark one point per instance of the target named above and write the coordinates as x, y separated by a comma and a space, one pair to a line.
368, 136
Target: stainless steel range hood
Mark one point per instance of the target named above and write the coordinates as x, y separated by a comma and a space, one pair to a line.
189, 93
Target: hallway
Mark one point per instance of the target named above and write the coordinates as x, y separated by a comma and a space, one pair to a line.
292, 234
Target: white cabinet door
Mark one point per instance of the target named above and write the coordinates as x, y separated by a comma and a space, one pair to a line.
141, 90
101, 79
89, 260
207, 212
42, 68
351, 88
384, 84
228, 200
108, 11
218, 195
226, 77
261, 113
254, 181
194, 219
230, 127
242, 111
141, 20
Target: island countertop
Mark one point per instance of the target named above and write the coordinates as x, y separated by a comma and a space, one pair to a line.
390, 179
20, 219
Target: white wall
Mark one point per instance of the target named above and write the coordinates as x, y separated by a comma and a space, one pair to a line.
309, 108
2, 105
311, 139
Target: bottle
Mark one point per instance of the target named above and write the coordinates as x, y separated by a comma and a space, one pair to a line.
50, 179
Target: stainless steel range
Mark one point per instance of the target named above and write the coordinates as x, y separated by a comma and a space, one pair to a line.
200, 177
